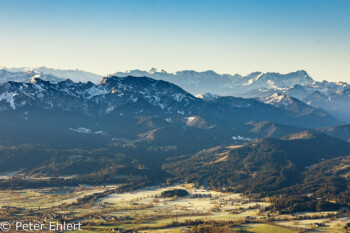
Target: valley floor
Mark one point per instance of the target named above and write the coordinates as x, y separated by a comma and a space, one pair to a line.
102, 209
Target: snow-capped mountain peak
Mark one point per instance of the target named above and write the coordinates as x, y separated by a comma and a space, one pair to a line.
207, 97
277, 99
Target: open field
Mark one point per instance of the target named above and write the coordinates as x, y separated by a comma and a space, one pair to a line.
101, 209
263, 228
47, 197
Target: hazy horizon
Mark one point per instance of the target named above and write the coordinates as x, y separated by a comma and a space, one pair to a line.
229, 37
13, 69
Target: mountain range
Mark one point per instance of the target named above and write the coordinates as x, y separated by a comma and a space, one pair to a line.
66, 107
25, 74
331, 96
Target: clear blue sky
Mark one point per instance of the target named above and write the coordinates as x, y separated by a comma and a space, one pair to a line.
224, 36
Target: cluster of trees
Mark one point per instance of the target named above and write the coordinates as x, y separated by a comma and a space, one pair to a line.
212, 229
291, 204
174, 192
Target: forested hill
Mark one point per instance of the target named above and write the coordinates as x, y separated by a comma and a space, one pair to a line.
265, 166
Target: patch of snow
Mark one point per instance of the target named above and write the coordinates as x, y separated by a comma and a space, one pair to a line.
81, 130
278, 100
110, 109
40, 95
241, 138
207, 96
125, 141
100, 132
134, 99
9, 98
190, 119
95, 91
179, 97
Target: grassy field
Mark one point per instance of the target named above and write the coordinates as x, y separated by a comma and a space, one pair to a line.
45, 198
170, 230
263, 228
147, 211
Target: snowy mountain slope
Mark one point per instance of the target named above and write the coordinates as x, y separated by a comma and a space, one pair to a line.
224, 84
278, 100
332, 96
143, 94
272, 107
292, 104
207, 97
191, 81
75, 75
27, 76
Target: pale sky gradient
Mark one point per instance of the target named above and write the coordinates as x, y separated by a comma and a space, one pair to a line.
225, 36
